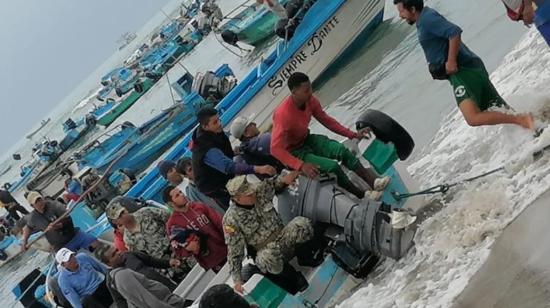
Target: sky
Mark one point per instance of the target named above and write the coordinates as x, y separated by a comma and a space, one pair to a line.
50, 46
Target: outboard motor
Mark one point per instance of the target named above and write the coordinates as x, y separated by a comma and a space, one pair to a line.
230, 37
213, 88
363, 226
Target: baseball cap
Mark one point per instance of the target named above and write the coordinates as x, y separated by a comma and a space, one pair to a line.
114, 209
239, 125
63, 255
240, 185
33, 196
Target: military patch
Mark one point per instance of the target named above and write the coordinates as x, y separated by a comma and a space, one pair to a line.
229, 230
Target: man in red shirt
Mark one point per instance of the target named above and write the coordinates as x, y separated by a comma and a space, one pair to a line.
195, 229
294, 145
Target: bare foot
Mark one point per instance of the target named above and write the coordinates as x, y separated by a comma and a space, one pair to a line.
526, 120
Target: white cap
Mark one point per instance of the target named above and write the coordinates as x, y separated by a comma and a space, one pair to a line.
63, 255
33, 196
239, 125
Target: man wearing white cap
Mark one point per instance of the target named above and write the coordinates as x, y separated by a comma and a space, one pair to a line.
255, 147
60, 233
82, 280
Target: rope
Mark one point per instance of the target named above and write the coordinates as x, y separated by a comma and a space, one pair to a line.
443, 188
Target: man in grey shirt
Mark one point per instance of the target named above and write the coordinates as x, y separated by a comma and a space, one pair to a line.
132, 289
60, 233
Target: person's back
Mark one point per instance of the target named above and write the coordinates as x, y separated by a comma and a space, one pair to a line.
433, 33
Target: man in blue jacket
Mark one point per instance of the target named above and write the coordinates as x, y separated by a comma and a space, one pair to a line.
212, 158
82, 280
255, 146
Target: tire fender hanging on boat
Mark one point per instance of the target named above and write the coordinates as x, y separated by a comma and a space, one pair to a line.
387, 130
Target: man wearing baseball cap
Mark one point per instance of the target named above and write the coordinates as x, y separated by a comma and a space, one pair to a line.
255, 147
81, 281
144, 230
49, 216
252, 221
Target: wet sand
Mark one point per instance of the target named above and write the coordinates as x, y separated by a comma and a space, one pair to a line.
517, 272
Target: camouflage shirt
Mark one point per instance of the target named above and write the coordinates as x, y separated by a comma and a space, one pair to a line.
150, 236
251, 226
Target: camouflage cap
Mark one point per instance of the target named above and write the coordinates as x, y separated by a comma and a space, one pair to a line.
240, 186
114, 209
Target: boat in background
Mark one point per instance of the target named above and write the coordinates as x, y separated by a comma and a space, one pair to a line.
252, 25
42, 124
114, 109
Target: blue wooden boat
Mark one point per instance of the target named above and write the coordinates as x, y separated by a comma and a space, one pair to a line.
254, 24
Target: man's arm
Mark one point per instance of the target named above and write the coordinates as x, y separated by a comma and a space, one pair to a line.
451, 66
236, 244
26, 234
328, 121
528, 13
217, 160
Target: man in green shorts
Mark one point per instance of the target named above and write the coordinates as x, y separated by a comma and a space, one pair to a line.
448, 58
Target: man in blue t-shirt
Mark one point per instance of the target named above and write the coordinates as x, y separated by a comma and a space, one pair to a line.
448, 58
82, 280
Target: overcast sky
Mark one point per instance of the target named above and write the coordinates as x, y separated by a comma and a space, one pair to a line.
50, 46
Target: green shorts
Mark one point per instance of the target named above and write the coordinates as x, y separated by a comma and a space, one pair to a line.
474, 84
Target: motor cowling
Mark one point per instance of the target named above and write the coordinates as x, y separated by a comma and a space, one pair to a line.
365, 224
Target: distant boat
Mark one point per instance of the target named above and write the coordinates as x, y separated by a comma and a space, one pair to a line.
42, 124
125, 39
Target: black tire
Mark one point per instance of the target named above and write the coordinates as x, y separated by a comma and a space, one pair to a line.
138, 87
387, 130
91, 121
127, 124
118, 92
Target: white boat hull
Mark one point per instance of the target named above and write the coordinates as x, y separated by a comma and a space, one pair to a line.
324, 47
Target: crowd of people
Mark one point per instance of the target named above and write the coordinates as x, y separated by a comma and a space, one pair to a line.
219, 202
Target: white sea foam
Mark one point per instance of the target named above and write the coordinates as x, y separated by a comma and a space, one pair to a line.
454, 243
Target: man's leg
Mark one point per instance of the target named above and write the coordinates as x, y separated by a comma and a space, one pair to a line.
474, 94
326, 147
331, 166
475, 117
299, 230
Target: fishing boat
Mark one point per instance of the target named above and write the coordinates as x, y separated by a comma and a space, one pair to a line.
9, 248
27, 170
138, 145
42, 124
142, 145
116, 109
253, 24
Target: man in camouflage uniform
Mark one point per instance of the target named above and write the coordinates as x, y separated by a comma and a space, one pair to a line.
144, 230
252, 220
